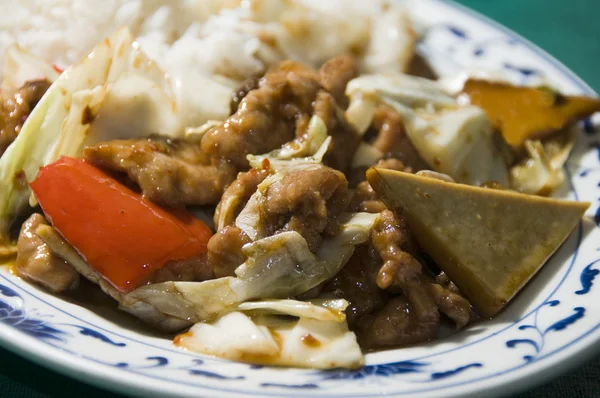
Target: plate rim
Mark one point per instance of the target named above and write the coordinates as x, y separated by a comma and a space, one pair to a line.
105, 377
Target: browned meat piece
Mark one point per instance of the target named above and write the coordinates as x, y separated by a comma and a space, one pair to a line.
225, 250
390, 130
453, 305
391, 139
37, 263
15, 109
368, 282
267, 117
344, 139
278, 111
356, 283
238, 95
397, 324
443, 280
365, 198
194, 269
236, 196
391, 238
335, 75
380, 316
170, 172
306, 201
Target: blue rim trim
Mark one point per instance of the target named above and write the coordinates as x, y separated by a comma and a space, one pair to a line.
559, 67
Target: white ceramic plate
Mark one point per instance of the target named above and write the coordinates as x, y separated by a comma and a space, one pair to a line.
551, 326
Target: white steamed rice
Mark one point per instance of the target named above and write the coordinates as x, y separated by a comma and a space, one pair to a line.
209, 46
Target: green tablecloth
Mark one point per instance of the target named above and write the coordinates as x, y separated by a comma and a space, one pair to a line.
566, 29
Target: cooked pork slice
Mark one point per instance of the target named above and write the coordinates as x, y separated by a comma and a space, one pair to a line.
192, 269
170, 172
394, 243
393, 301
238, 94
453, 305
335, 75
356, 282
401, 270
397, 324
344, 139
307, 201
236, 196
277, 110
15, 109
268, 116
37, 263
443, 280
225, 250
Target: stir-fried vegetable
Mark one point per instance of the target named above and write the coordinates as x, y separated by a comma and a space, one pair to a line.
278, 266
542, 170
120, 235
321, 309
23, 158
310, 148
256, 332
305, 342
21, 161
115, 92
453, 139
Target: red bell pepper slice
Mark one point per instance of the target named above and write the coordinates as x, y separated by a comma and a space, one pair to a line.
122, 236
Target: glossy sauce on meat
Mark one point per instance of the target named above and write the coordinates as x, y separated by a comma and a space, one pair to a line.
267, 117
15, 109
170, 172
236, 196
306, 201
277, 109
225, 250
37, 263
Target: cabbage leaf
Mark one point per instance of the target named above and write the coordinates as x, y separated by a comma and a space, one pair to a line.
306, 342
321, 309
541, 172
278, 266
26, 155
366, 155
310, 148
115, 92
452, 139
